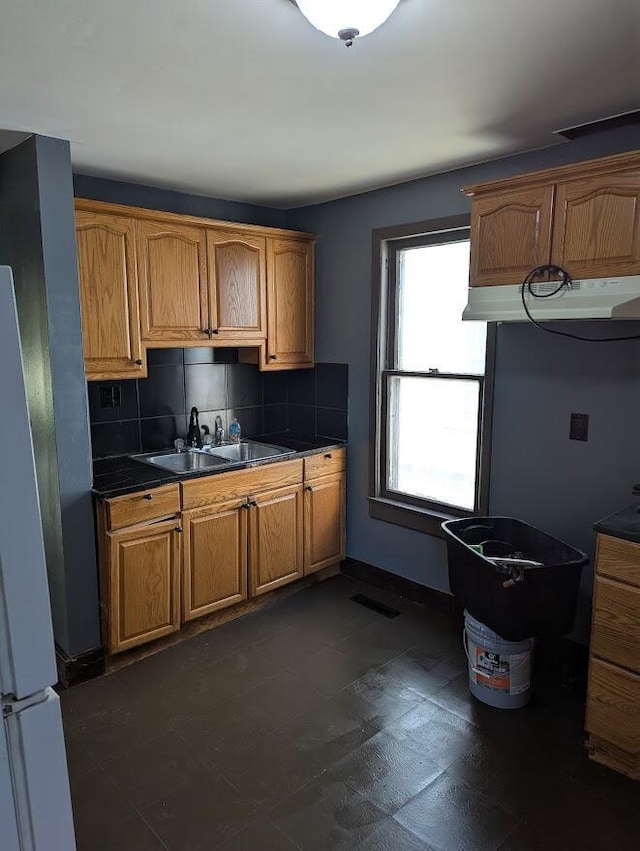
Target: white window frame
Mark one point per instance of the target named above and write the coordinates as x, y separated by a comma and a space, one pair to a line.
386, 504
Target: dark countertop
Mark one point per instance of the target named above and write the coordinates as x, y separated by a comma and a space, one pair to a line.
623, 524
121, 475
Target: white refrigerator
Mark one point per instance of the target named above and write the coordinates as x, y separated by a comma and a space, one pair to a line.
35, 805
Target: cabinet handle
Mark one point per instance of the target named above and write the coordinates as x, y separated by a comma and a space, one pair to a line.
328, 455
148, 496
245, 505
215, 331
207, 331
273, 357
138, 362
253, 503
309, 488
178, 529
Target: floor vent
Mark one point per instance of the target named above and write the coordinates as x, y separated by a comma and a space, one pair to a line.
375, 606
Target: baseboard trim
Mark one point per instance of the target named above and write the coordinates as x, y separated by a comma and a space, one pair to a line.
407, 588
73, 670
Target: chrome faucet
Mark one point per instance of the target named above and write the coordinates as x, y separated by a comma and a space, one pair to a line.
218, 431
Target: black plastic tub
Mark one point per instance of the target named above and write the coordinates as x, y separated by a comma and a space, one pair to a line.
541, 601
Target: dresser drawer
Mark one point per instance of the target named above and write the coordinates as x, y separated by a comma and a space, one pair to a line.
618, 559
613, 706
142, 506
616, 623
325, 463
223, 487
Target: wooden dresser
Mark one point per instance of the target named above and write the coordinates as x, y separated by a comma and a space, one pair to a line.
613, 700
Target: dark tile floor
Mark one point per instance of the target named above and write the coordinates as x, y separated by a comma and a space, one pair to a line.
319, 724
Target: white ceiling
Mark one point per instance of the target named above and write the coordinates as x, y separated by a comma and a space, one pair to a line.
243, 99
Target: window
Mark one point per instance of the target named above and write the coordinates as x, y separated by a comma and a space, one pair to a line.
432, 377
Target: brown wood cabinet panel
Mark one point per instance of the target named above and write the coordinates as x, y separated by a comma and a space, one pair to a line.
215, 559
109, 296
324, 522
289, 303
240, 484
276, 521
325, 463
510, 234
237, 285
613, 706
172, 265
618, 559
144, 592
597, 225
143, 506
616, 623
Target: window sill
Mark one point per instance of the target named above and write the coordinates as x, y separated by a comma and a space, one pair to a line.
425, 520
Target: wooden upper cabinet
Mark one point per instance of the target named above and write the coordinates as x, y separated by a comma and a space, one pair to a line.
143, 582
215, 558
510, 234
276, 523
237, 285
597, 225
174, 302
289, 303
109, 296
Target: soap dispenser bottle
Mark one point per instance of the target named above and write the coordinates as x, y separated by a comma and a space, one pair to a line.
235, 431
194, 436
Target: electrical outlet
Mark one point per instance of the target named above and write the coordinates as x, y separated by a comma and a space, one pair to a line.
110, 397
579, 428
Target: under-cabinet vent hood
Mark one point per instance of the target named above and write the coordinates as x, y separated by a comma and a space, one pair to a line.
595, 298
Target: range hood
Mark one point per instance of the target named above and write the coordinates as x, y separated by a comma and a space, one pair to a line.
594, 298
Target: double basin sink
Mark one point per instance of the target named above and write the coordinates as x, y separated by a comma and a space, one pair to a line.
212, 457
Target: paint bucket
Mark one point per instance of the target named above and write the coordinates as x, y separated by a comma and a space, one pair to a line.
499, 670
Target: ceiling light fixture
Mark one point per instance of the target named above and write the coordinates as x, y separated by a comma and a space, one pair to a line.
347, 19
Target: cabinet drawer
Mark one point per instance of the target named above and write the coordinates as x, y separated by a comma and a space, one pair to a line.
325, 463
613, 706
142, 506
223, 487
618, 559
616, 623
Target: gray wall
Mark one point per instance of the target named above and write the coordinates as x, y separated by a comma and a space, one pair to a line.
37, 240
137, 195
537, 473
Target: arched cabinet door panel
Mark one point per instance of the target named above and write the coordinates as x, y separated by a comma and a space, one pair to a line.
510, 235
597, 225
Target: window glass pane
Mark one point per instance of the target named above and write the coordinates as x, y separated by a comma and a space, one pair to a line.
433, 439
432, 292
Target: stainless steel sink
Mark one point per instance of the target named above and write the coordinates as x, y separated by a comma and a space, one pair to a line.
182, 462
248, 450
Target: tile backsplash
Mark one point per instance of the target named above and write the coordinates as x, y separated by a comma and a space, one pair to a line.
150, 413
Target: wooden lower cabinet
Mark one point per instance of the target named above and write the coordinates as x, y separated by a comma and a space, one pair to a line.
276, 528
613, 717
215, 558
324, 519
144, 584
613, 696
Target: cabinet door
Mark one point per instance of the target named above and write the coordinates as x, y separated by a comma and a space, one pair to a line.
215, 558
597, 226
613, 707
109, 296
510, 235
144, 589
275, 539
615, 635
289, 303
324, 522
173, 283
237, 285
